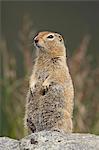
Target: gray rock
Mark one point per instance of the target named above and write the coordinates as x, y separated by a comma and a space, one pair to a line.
52, 140
9, 144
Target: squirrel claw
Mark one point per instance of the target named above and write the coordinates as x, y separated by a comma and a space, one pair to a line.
46, 86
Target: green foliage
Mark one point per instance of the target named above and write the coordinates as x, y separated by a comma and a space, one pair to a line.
12, 110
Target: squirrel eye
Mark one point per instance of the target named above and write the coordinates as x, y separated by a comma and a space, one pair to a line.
50, 36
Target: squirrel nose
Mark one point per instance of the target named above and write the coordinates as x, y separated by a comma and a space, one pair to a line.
36, 40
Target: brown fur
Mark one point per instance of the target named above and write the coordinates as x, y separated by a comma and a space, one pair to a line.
50, 98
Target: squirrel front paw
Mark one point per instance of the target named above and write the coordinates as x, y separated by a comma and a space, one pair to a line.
45, 88
32, 87
46, 85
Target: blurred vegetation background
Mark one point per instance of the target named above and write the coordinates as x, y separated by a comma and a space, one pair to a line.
78, 22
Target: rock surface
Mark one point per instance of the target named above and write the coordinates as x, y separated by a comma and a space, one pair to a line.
52, 140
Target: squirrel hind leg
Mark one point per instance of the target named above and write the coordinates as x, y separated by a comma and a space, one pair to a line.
64, 125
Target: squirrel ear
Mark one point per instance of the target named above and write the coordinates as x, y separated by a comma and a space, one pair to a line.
60, 38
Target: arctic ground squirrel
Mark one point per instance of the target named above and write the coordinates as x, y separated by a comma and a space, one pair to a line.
50, 97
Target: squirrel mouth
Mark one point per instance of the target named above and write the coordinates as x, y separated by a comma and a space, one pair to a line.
37, 44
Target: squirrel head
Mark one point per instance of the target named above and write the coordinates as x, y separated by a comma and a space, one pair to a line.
50, 42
